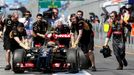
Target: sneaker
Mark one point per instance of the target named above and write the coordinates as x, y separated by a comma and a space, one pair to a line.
8, 67
120, 68
93, 68
125, 63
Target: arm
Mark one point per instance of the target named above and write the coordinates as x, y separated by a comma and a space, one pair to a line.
78, 37
41, 35
108, 36
129, 28
72, 39
21, 43
80, 31
25, 41
34, 30
44, 30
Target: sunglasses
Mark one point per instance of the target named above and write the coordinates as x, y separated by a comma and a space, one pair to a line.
111, 16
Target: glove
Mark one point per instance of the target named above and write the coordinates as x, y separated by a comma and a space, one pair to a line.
74, 46
72, 43
24, 46
27, 48
76, 42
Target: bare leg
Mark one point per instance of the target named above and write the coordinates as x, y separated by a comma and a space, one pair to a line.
8, 66
8, 57
91, 57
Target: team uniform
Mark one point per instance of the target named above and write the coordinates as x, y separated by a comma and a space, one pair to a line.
87, 40
15, 33
63, 30
118, 41
39, 28
10, 25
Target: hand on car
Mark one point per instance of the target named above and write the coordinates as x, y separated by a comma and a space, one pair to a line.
74, 46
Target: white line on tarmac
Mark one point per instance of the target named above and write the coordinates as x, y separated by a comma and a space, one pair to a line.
83, 72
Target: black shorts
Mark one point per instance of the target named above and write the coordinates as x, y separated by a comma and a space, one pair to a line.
7, 43
89, 45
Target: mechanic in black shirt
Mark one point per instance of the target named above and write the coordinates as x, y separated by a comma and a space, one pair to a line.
18, 38
9, 24
84, 39
39, 28
63, 29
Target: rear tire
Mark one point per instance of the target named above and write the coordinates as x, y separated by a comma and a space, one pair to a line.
72, 58
84, 61
18, 57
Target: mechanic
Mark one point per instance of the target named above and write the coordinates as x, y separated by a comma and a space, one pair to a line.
54, 18
18, 38
9, 24
27, 21
117, 26
39, 28
62, 29
84, 38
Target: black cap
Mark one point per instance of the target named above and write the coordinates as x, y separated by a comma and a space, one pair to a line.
20, 25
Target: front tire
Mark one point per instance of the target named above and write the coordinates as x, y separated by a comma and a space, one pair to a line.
18, 57
84, 61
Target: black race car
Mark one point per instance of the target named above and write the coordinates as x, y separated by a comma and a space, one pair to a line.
51, 57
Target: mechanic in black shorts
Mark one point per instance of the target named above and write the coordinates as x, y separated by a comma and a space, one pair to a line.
9, 24
18, 38
85, 37
39, 28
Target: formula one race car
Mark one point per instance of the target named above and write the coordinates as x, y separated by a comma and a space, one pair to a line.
51, 57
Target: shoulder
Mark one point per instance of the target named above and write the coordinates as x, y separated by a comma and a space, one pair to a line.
44, 22
14, 32
20, 23
8, 21
34, 23
24, 33
81, 22
66, 26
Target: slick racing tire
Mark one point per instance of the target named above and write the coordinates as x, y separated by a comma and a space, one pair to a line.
84, 62
18, 57
72, 59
